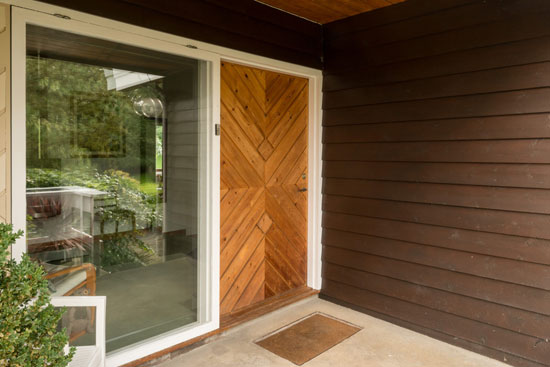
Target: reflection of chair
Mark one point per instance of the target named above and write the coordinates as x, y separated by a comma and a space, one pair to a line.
88, 356
77, 280
74, 279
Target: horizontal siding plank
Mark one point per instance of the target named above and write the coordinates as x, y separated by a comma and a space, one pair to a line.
509, 247
229, 20
520, 321
492, 104
174, 23
527, 151
459, 230
486, 81
382, 16
517, 272
498, 198
525, 27
463, 61
512, 295
481, 174
532, 348
462, 16
532, 126
465, 344
271, 15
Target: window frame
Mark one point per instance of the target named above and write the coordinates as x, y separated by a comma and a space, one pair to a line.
208, 252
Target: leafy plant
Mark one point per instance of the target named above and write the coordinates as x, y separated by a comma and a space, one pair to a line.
129, 198
28, 322
125, 249
70, 105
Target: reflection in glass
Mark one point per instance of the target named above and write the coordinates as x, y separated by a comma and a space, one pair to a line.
80, 325
113, 178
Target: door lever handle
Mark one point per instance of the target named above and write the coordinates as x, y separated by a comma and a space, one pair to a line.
302, 190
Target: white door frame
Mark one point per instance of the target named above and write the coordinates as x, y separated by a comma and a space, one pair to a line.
42, 14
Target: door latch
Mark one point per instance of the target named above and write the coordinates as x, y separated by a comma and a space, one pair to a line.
302, 189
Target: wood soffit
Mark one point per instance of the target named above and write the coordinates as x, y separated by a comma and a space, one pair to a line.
326, 11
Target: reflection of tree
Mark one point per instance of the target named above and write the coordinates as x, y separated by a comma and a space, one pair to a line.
79, 133
72, 116
99, 113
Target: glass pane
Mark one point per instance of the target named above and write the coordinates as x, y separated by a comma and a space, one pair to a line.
113, 178
79, 324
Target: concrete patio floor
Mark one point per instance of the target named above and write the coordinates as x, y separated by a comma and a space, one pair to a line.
379, 344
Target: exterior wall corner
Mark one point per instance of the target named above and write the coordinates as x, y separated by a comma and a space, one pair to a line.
5, 159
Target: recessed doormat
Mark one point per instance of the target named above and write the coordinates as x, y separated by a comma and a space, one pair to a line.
305, 339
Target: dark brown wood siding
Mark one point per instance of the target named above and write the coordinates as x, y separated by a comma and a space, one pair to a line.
243, 25
436, 167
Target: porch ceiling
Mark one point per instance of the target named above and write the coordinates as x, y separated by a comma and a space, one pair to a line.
326, 11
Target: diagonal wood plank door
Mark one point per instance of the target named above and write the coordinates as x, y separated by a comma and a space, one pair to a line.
264, 118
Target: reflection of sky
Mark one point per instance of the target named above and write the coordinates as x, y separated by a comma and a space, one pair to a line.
122, 79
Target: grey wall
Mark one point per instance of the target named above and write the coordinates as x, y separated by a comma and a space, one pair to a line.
182, 151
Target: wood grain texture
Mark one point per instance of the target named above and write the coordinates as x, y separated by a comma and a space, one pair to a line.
5, 119
527, 25
263, 163
463, 331
326, 11
435, 192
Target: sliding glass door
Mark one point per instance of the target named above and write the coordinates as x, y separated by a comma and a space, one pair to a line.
115, 180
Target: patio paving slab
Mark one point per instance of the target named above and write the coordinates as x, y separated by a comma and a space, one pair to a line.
377, 344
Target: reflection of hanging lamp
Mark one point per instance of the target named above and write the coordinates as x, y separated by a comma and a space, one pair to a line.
146, 99
150, 107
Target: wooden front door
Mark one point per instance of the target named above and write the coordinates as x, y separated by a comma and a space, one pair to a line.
264, 120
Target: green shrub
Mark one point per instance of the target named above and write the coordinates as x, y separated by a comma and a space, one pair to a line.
129, 197
28, 322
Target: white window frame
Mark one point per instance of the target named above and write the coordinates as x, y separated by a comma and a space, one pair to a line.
208, 253
24, 11
99, 303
